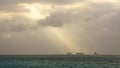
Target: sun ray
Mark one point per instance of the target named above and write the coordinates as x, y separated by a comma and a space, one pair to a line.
68, 43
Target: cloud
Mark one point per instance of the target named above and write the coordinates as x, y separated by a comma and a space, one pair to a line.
95, 26
101, 35
15, 24
99, 24
12, 5
56, 20
92, 13
60, 19
61, 1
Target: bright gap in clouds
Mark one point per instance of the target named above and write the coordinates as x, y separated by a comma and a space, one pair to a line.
36, 11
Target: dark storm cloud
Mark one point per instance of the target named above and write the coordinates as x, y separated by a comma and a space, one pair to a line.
59, 19
56, 20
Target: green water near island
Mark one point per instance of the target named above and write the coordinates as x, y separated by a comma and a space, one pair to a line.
59, 61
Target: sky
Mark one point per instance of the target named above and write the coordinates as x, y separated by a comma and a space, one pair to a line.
59, 26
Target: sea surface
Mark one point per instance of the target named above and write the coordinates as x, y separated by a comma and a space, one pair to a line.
60, 61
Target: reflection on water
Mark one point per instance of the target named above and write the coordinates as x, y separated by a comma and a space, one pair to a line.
60, 61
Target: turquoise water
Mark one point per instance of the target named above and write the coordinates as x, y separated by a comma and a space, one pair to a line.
60, 61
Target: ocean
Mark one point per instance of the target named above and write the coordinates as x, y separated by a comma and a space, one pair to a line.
60, 61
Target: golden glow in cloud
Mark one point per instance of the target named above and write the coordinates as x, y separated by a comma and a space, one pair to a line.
75, 5
101, 1
36, 11
113, 1
5, 15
